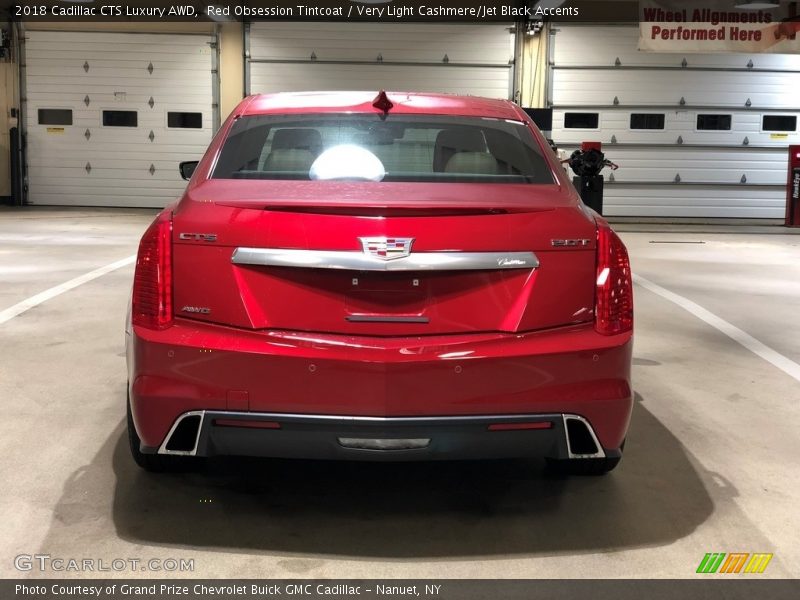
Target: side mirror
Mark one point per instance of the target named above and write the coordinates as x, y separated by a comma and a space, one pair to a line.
187, 168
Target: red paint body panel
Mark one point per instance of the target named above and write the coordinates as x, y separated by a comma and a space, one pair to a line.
277, 340
287, 372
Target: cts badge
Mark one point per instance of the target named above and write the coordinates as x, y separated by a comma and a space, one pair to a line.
386, 248
198, 237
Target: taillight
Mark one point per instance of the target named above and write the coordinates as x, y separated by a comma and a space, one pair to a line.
152, 282
614, 295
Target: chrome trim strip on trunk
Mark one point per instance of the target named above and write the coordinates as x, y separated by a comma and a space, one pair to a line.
358, 261
386, 319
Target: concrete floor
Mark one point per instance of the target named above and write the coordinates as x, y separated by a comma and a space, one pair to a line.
711, 463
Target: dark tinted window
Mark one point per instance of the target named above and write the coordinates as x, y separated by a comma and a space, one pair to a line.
185, 120
779, 123
647, 121
55, 116
581, 120
398, 148
120, 118
714, 122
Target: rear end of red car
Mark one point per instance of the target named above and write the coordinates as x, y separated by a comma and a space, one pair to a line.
352, 282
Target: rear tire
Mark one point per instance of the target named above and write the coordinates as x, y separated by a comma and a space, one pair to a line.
584, 466
155, 463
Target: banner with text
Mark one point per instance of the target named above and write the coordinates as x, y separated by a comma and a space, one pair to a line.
717, 26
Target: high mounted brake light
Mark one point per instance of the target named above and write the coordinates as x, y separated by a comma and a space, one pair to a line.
614, 294
152, 281
382, 102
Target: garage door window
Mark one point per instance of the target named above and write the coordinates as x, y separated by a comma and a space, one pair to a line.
714, 122
647, 120
581, 120
779, 123
185, 120
120, 118
55, 116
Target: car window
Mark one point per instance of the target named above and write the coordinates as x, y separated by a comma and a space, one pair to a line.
382, 148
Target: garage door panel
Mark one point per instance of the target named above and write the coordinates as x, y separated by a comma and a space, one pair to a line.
135, 92
479, 57
688, 201
121, 75
650, 169
575, 137
111, 179
694, 211
120, 199
109, 183
141, 165
75, 134
424, 42
368, 50
608, 43
91, 116
76, 188
464, 80
142, 150
142, 46
649, 173
111, 55
685, 196
588, 87
117, 79
616, 124
699, 165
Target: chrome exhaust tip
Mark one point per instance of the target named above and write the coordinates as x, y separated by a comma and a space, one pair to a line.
581, 439
184, 435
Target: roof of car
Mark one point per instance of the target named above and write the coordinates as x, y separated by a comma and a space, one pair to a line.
404, 103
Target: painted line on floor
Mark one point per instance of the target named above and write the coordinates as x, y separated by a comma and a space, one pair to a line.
785, 364
20, 307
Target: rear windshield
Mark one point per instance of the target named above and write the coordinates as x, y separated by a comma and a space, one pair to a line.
372, 148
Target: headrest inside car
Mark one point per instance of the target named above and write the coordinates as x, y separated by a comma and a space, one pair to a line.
292, 160
454, 140
297, 138
472, 163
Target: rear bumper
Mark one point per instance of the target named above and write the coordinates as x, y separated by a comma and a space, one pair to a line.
323, 387
209, 433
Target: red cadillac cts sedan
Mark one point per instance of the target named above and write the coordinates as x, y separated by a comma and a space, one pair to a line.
393, 277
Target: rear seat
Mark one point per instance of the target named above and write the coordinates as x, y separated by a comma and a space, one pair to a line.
293, 149
404, 156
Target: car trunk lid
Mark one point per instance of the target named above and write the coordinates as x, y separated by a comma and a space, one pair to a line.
384, 259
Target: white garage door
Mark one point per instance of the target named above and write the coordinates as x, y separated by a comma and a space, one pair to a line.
695, 135
109, 116
451, 58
